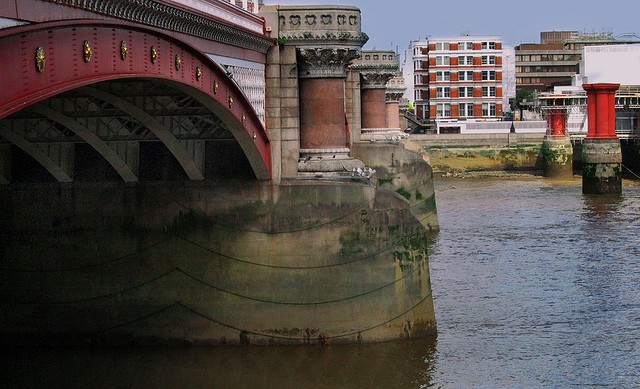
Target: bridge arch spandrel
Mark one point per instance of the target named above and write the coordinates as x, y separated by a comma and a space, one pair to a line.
44, 60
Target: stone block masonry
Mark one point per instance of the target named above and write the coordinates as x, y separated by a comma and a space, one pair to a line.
234, 263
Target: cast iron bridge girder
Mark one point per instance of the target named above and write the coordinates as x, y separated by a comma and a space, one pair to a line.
125, 106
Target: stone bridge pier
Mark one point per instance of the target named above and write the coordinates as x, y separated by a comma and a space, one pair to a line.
557, 150
180, 172
601, 151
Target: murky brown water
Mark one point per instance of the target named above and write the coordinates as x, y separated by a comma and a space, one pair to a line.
535, 285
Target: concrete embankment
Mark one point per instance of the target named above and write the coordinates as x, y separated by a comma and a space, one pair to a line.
457, 154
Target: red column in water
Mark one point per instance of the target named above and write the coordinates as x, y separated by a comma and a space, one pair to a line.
601, 110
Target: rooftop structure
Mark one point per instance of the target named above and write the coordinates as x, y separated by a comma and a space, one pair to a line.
554, 61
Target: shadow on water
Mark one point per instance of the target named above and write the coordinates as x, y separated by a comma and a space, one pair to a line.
401, 364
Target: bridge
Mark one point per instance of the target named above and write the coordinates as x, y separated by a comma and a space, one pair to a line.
196, 171
125, 91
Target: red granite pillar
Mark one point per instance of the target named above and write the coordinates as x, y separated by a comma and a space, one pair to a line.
393, 114
324, 140
374, 112
322, 123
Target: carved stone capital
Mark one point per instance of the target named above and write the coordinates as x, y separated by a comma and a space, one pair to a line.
376, 68
375, 80
325, 62
393, 96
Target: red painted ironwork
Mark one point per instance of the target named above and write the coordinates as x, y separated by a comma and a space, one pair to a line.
119, 51
557, 121
601, 110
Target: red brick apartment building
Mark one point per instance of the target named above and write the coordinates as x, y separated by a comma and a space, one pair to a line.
456, 78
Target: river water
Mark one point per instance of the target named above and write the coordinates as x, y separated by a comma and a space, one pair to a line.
535, 285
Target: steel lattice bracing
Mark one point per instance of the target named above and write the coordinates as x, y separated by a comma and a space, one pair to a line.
81, 115
114, 86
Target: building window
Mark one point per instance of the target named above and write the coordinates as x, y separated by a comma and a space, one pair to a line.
443, 91
488, 75
466, 91
488, 45
442, 60
466, 109
466, 75
421, 79
488, 109
443, 110
488, 59
443, 76
422, 94
442, 45
465, 45
465, 60
488, 91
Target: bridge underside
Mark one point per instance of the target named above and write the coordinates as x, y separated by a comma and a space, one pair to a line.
129, 130
97, 100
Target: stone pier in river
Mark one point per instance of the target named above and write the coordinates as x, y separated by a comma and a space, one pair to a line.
556, 150
190, 173
601, 152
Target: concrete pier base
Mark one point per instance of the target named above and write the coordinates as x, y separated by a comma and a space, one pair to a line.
333, 161
557, 154
601, 166
239, 262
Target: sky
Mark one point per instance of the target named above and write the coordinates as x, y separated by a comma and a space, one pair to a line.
392, 25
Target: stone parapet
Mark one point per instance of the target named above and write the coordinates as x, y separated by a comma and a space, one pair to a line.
321, 26
376, 68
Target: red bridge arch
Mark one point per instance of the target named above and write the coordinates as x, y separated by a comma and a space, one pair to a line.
43, 60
